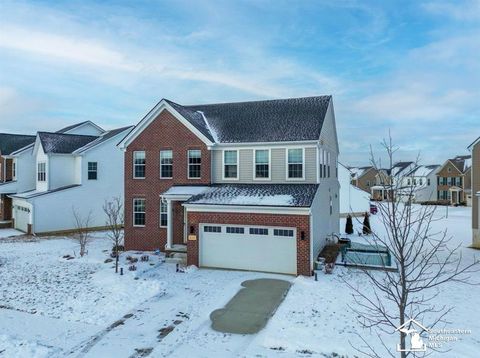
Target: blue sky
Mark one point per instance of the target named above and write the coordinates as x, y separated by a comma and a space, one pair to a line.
411, 67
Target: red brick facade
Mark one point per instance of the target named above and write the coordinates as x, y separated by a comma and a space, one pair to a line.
5, 175
301, 222
165, 132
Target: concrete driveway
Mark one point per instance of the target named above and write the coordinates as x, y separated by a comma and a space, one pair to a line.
251, 308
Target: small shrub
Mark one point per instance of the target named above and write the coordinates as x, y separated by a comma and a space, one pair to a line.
119, 248
132, 268
108, 260
144, 258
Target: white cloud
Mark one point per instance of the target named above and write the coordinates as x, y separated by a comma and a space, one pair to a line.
467, 10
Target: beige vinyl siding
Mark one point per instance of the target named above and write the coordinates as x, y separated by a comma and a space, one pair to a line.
277, 166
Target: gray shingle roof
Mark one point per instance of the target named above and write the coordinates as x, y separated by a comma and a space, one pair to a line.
281, 120
286, 195
194, 117
61, 143
10, 143
66, 129
104, 137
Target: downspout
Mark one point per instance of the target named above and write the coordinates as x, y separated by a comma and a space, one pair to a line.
311, 241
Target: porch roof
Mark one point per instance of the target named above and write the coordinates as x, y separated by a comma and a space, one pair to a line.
183, 192
273, 195
9, 187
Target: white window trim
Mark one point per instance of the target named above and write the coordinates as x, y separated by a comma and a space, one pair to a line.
160, 213
223, 164
133, 211
303, 165
188, 164
160, 162
14, 169
133, 163
269, 165
38, 172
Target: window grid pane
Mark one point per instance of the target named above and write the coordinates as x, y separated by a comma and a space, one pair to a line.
262, 164
139, 212
139, 164
194, 163
166, 164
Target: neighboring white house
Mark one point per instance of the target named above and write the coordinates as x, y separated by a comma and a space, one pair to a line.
424, 179
353, 200
77, 168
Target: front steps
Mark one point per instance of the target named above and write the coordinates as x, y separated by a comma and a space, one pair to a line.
176, 254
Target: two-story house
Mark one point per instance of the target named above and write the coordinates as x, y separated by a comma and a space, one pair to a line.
249, 186
421, 182
454, 180
363, 177
391, 180
474, 148
75, 169
10, 166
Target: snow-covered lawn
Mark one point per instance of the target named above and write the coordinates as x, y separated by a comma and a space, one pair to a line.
6, 233
55, 307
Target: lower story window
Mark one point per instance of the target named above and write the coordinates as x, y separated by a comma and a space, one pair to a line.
163, 213
235, 230
212, 229
283, 232
138, 212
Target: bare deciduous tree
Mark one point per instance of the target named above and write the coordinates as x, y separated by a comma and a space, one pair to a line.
115, 218
425, 259
82, 229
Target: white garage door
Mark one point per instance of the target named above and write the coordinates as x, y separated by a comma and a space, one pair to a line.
255, 248
22, 215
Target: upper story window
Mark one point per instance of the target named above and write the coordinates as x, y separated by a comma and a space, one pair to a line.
139, 165
166, 164
295, 165
262, 163
194, 164
14, 169
138, 212
230, 164
92, 170
42, 171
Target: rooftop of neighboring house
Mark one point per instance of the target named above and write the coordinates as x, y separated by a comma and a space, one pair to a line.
423, 170
9, 143
358, 172
62, 143
281, 120
462, 162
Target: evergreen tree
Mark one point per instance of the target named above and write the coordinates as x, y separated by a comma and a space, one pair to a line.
349, 226
366, 225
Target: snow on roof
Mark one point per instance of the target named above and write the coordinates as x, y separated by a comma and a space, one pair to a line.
185, 190
289, 195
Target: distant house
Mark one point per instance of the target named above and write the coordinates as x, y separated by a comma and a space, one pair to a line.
389, 180
363, 177
454, 180
78, 167
474, 148
423, 179
248, 185
353, 200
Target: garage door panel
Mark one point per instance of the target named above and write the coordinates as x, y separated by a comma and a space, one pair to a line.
267, 253
22, 216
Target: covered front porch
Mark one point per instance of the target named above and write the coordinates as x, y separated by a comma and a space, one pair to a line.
456, 195
173, 216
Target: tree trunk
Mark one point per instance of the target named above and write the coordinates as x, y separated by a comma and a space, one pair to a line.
116, 258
